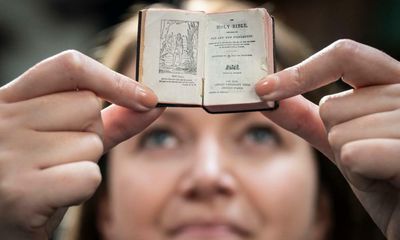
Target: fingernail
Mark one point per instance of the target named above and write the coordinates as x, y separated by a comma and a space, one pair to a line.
146, 98
266, 87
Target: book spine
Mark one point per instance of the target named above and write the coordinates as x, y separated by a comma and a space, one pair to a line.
139, 38
202, 91
273, 44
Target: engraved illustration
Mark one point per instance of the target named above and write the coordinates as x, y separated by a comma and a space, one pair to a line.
178, 46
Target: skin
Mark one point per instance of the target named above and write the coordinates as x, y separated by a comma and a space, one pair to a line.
52, 136
356, 129
196, 182
55, 155
230, 171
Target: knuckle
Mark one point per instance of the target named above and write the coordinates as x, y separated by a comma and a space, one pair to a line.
298, 77
87, 183
347, 154
119, 83
93, 178
72, 61
9, 116
91, 107
393, 91
92, 101
97, 128
325, 109
11, 191
333, 137
97, 146
345, 48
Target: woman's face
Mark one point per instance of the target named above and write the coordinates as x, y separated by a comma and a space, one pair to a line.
193, 175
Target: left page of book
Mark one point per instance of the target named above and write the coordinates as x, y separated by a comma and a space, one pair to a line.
172, 55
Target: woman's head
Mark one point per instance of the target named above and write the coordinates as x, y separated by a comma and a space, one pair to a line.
192, 175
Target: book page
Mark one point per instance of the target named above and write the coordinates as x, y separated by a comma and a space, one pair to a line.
236, 56
173, 55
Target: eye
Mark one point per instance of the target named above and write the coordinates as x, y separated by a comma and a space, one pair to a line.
158, 139
261, 135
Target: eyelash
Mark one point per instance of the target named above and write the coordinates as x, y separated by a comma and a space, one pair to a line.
270, 134
255, 135
148, 141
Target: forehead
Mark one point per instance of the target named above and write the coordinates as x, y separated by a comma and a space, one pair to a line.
202, 117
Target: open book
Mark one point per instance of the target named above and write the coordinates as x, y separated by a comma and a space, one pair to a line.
212, 60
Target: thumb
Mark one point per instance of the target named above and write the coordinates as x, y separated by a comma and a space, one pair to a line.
300, 116
122, 123
55, 221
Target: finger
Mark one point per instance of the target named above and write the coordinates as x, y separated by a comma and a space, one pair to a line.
301, 117
121, 123
352, 104
376, 159
357, 64
67, 111
55, 221
378, 125
47, 149
66, 185
71, 70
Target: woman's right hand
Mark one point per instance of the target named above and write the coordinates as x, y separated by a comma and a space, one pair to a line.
52, 133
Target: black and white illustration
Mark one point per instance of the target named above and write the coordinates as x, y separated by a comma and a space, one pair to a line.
179, 46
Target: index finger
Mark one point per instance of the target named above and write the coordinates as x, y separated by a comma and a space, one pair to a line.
70, 71
357, 64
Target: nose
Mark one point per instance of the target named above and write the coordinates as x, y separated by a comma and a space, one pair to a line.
208, 175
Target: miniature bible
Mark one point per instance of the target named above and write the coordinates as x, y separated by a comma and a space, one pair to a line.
211, 60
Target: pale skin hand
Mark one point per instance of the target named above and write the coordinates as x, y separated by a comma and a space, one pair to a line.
357, 129
52, 134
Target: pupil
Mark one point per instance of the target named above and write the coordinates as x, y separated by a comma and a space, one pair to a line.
160, 137
259, 135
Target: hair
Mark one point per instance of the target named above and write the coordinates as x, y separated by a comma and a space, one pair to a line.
349, 219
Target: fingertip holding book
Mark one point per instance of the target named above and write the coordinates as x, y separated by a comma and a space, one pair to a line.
209, 60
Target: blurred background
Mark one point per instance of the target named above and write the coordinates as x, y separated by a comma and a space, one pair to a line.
33, 30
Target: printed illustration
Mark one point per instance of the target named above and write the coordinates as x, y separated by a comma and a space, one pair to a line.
179, 46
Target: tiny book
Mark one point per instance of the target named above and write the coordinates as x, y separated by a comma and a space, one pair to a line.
211, 60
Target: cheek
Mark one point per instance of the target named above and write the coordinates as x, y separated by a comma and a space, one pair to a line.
284, 190
137, 196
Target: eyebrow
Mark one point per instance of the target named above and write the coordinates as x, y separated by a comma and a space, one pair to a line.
171, 116
176, 116
239, 116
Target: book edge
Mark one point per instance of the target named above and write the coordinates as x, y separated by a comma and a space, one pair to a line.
139, 67
139, 50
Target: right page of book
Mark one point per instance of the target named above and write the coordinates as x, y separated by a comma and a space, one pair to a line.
236, 56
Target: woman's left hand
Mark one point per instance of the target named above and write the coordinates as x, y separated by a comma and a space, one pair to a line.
357, 129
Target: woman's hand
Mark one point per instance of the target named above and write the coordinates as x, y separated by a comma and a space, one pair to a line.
357, 129
52, 133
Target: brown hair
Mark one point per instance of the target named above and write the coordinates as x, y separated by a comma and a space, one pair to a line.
349, 220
